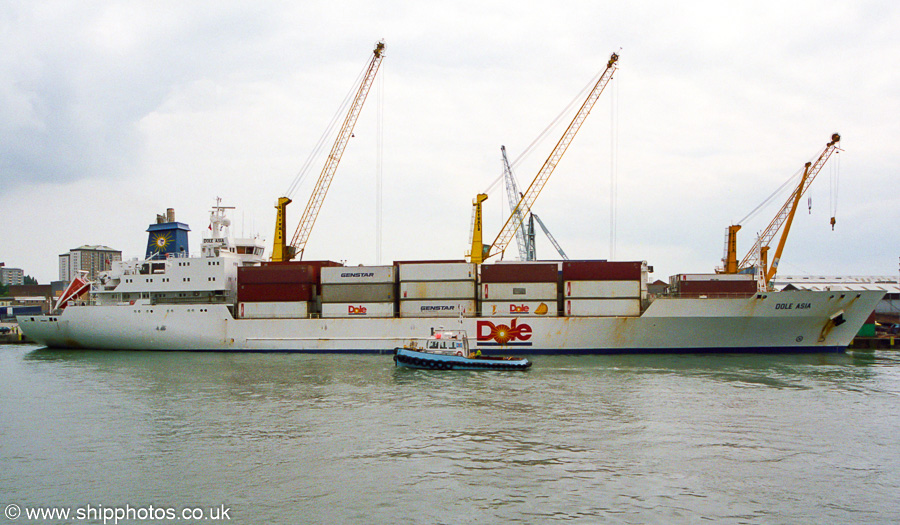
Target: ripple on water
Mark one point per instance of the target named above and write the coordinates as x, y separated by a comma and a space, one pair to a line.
321, 439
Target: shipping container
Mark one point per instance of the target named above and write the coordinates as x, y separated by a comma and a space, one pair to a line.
603, 270
275, 275
501, 291
602, 289
283, 272
712, 284
312, 268
261, 293
602, 307
522, 272
429, 261
11, 312
351, 309
274, 310
716, 288
438, 271
713, 277
359, 275
362, 293
438, 308
437, 290
519, 308
867, 330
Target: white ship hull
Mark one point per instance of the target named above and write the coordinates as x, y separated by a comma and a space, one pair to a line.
791, 321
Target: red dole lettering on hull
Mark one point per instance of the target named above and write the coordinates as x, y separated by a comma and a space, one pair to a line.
490, 333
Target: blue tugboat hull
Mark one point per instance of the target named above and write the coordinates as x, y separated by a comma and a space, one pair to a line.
426, 360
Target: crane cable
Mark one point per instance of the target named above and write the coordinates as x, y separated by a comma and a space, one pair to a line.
329, 131
613, 166
379, 163
543, 135
833, 194
790, 182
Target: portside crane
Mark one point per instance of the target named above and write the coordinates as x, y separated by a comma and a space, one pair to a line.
758, 255
281, 250
527, 200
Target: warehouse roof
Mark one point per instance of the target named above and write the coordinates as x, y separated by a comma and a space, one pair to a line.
849, 282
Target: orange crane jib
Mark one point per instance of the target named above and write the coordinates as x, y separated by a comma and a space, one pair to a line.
527, 201
283, 252
758, 254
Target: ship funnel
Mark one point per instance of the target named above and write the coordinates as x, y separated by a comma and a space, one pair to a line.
167, 238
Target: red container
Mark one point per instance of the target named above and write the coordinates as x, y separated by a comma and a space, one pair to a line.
713, 288
275, 275
519, 273
264, 293
284, 272
601, 270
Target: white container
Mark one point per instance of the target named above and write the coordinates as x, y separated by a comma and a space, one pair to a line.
444, 308
345, 310
602, 307
518, 291
358, 274
274, 310
519, 308
437, 290
358, 293
602, 289
438, 272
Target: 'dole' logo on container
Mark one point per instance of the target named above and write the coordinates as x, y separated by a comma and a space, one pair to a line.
356, 310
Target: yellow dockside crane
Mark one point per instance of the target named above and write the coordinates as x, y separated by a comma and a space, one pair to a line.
757, 257
479, 251
281, 251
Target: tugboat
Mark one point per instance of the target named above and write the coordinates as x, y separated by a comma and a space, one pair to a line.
449, 350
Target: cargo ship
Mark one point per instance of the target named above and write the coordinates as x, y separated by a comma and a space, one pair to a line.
229, 298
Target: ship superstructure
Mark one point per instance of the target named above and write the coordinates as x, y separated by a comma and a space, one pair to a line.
168, 275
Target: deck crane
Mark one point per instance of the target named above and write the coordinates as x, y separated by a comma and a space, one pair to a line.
758, 255
524, 235
479, 252
281, 250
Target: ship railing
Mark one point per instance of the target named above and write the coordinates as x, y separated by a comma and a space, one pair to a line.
716, 295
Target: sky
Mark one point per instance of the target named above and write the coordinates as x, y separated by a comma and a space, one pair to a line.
113, 111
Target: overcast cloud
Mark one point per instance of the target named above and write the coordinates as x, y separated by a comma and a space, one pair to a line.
112, 112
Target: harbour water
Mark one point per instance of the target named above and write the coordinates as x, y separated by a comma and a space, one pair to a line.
291, 438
